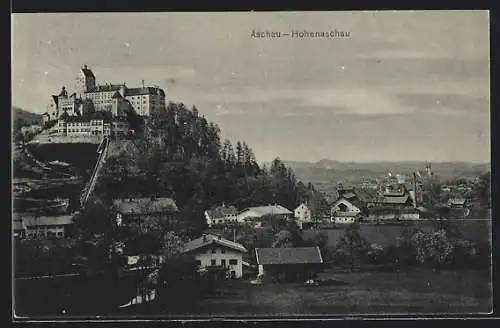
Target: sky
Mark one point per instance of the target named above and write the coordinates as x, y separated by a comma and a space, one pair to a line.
403, 86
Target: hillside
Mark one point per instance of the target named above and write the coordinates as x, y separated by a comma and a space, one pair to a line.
26, 116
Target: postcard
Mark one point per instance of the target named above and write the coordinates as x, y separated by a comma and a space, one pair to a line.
251, 165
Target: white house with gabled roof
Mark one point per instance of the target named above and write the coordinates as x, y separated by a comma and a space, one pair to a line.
216, 252
303, 214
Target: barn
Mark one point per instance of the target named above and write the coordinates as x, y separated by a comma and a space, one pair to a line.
289, 264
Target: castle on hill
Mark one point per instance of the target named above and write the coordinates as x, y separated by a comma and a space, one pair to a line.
117, 99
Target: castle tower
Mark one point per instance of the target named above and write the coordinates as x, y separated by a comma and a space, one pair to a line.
85, 81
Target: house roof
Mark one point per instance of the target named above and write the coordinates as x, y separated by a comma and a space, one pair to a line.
222, 211
356, 202
145, 205
117, 94
105, 88
211, 240
296, 255
28, 221
349, 195
394, 199
18, 225
365, 195
268, 210
144, 91
55, 98
302, 205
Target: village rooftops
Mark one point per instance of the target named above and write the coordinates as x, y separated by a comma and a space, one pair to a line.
296, 255
208, 239
139, 206
269, 210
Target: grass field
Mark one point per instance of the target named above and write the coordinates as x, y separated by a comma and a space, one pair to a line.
477, 231
354, 293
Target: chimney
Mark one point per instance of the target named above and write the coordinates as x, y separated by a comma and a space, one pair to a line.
142, 83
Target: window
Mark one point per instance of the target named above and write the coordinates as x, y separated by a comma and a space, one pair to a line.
213, 262
233, 262
342, 207
223, 251
213, 250
223, 262
198, 262
59, 234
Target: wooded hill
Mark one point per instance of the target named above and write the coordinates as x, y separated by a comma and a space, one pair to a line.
181, 155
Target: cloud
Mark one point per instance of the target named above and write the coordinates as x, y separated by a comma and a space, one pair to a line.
288, 102
361, 102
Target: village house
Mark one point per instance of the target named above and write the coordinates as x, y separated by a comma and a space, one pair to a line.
289, 264
29, 226
302, 214
257, 215
221, 215
217, 255
395, 203
351, 206
345, 211
139, 210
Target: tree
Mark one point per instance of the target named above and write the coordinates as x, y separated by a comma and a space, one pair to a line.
484, 190
283, 239
96, 218
433, 247
171, 246
352, 244
431, 194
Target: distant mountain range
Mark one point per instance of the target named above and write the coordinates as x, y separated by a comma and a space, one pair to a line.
327, 174
25, 115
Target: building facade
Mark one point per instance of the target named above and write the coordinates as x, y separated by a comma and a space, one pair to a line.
221, 215
36, 227
216, 252
138, 211
303, 213
117, 99
75, 126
